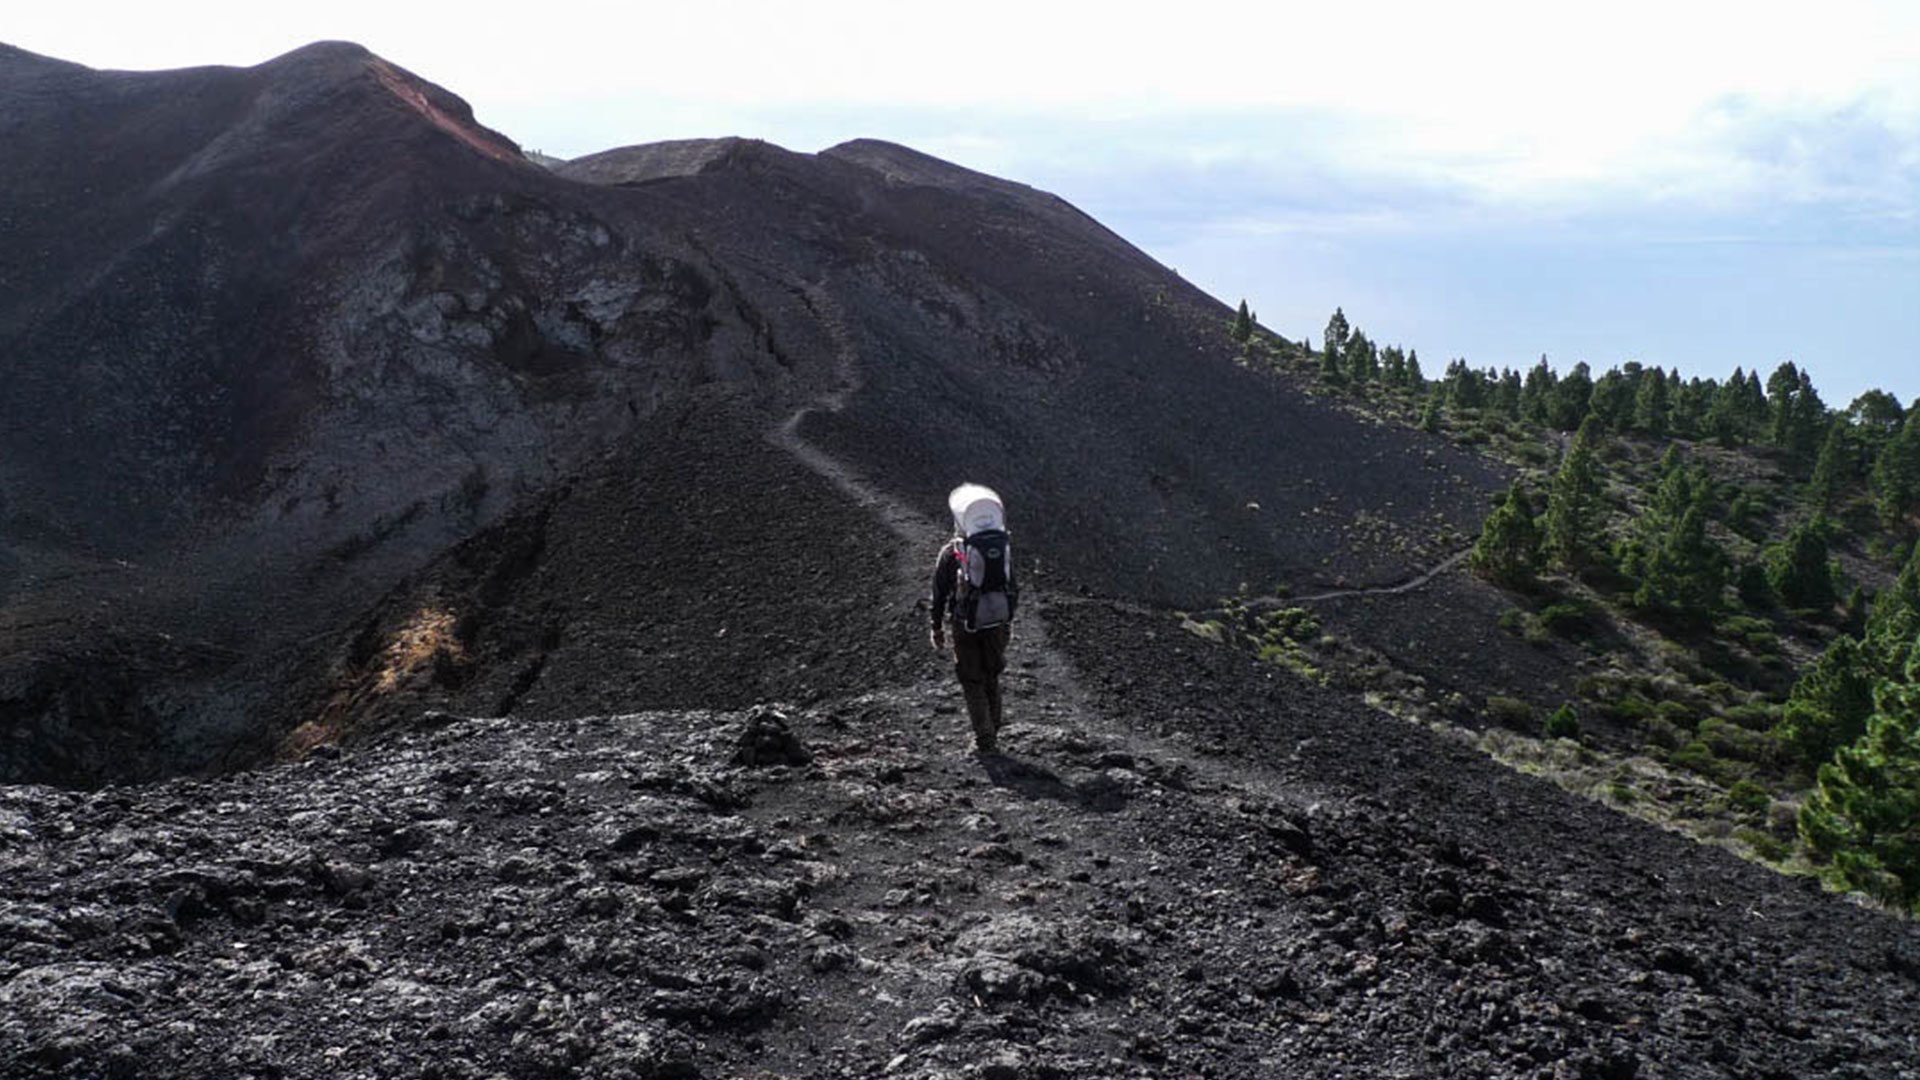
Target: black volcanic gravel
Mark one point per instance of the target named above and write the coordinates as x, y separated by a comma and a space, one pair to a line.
1285, 884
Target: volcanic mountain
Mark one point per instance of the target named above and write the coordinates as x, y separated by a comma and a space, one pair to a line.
545, 545
280, 337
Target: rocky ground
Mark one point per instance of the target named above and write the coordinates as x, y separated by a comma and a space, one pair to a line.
1188, 868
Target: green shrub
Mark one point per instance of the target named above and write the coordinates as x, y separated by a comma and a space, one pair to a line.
1621, 793
1735, 742
1753, 586
1754, 715
1675, 713
1696, 757
1513, 620
1749, 798
1567, 618
1862, 810
1292, 624
1632, 708
1756, 634
1765, 844
1563, 723
1508, 712
1656, 731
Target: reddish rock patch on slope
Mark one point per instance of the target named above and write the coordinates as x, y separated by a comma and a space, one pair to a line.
467, 132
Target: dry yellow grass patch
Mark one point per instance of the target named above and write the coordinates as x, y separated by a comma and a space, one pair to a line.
427, 635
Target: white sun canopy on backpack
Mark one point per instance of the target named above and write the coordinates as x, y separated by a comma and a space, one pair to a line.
975, 508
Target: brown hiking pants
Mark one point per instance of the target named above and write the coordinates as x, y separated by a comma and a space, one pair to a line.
978, 660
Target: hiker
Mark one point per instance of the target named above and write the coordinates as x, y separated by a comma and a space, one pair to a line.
973, 588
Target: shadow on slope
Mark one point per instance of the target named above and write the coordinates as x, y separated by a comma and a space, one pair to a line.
696, 566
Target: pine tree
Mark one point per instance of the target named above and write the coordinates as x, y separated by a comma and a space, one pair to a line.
1393, 366
1335, 345
1416, 381
1831, 470
1795, 412
1678, 570
1536, 393
1726, 419
1508, 550
1688, 403
1363, 365
1782, 385
1242, 329
1466, 388
1650, 405
1877, 414
1753, 405
1853, 611
1573, 504
1430, 412
1572, 398
1829, 705
1612, 400
1896, 474
1799, 568
1506, 394
1863, 810
1895, 619
1755, 591
1743, 515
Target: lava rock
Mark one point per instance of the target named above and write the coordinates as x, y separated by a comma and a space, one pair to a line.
768, 739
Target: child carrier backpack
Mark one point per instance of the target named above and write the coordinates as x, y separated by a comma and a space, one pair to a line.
984, 596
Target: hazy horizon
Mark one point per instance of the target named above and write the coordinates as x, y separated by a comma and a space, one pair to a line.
1698, 187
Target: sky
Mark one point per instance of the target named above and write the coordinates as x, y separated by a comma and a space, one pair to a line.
1685, 183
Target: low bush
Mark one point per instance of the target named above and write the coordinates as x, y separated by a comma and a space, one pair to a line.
1655, 731
1288, 624
1753, 715
1756, 634
1634, 708
1533, 453
1735, 742
1695, 757
1675, 713
1566, 618
1562, 723
1509, 712
1749, 798
1765, 844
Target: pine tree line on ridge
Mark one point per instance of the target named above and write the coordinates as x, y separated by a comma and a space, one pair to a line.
1842, 742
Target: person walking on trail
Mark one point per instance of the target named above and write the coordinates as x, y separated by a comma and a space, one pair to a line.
974, 593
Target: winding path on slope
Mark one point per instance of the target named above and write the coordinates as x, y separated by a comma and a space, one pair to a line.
1046, 691
1055, 694
914, 528
1418, 581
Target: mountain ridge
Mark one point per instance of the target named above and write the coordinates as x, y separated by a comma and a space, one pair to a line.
347, 338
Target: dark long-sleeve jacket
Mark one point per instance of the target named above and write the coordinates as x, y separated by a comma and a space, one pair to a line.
946, 581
